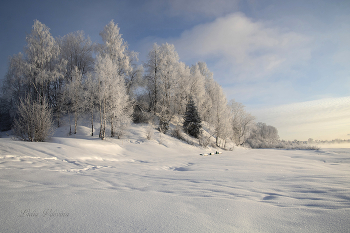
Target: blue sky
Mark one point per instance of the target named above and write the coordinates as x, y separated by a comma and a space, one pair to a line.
273, 56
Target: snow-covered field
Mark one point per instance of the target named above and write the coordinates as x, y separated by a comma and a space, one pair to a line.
82, 184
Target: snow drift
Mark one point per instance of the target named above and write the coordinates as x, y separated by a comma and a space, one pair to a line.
83, 184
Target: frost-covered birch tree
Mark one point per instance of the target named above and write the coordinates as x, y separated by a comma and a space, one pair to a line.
113, 101
78, 52
91, 87
188, 82
183, 89
152, 77
240, 122
197, 88
125, 60
207, 104
36, 72
168, 74
75, 96
42, 62
34, 75
219, 117
119, 64
15, 85
162, 81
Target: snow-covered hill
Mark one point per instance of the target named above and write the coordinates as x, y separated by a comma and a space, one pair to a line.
79, 183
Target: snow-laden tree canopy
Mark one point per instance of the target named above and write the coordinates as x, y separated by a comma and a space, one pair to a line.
75, 76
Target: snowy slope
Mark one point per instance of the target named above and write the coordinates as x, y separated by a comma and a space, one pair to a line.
82, 184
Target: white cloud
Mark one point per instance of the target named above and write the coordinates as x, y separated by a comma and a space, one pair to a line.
319, 119
243, 48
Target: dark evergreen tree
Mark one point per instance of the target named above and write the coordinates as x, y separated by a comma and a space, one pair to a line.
192, 124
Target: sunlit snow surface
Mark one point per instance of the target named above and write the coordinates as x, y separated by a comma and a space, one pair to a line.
83, 184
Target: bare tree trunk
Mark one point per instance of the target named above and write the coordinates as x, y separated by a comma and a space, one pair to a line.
104, 119
155, 90
92, 123
112, 130
101, 121
75, 122
58, 119
70, 124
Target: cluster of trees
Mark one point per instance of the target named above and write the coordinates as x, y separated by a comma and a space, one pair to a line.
70, 75
266, 136
263, 136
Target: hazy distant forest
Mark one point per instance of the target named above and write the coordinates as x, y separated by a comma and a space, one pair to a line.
72, 76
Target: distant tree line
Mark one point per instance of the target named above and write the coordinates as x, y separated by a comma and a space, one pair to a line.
70, 75
333, 141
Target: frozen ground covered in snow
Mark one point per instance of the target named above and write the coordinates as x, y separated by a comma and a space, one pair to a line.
82, 184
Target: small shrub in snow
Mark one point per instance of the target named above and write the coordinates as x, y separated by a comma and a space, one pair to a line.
204, 140
121, 127
149, 132
177, 133
163, 125
34, 121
